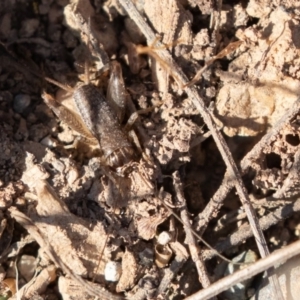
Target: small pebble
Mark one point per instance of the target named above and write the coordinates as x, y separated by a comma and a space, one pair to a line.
113, 271
164, 238
21, 102
27, 266
48, 141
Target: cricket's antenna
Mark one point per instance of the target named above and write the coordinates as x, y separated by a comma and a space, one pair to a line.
86, 64
62, 86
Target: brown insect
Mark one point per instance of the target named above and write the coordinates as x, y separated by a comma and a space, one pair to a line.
99, 119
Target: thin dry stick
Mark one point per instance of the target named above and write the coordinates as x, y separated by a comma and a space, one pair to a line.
277, 257
189, 239
244, 232
218, 138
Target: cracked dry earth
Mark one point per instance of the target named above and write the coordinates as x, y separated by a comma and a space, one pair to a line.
75, 227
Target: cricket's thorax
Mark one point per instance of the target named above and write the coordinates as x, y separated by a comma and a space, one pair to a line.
104, 124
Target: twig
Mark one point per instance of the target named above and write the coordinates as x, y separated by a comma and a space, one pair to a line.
189, 239
244, 232
218, 138
277, 257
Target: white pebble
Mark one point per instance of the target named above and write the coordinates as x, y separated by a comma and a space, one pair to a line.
164, 238
48, 141
113, 271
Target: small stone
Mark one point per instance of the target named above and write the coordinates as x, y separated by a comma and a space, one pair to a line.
164, 238
210, 92
113, 271
48, 141
21, 102
27, 266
